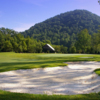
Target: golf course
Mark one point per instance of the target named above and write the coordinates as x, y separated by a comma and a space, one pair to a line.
48, 72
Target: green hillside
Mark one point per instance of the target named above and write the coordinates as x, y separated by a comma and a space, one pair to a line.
62, 29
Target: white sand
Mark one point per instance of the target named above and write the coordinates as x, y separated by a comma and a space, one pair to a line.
76, 78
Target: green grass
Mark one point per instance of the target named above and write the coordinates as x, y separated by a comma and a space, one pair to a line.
15, 61
97, 71
21, 96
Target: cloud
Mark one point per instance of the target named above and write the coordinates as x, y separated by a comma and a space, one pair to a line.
1, 25
23, 26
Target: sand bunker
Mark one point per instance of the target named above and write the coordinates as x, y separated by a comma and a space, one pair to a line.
76, 78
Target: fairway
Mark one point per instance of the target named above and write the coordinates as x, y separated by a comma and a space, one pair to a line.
49, 73
15, 61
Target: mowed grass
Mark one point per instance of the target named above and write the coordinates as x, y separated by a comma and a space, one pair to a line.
15, 61
21, 96
97, 71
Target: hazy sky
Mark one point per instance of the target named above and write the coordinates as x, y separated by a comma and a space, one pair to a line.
22, 14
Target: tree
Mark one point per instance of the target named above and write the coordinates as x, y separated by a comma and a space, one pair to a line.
15, 46
8, 46
31, 49
96, 41
84, 40
63, 49
72, 49
24, 46
38, 48
98, 48
2, 41
57, 48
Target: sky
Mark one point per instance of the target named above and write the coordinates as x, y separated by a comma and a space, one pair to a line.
20, 15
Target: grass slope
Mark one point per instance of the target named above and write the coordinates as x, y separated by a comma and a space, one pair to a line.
15, 61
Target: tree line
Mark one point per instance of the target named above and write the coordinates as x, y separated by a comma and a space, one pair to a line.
86, 43
11, 40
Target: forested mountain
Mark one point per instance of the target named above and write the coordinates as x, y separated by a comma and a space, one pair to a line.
62, 29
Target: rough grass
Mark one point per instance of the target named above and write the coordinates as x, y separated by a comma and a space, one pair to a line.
97, 71
15, 61
21, 96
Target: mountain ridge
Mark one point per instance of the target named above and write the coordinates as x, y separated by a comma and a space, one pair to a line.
62, 29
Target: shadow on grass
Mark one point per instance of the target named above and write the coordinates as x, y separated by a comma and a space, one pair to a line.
29, 65
40, 63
